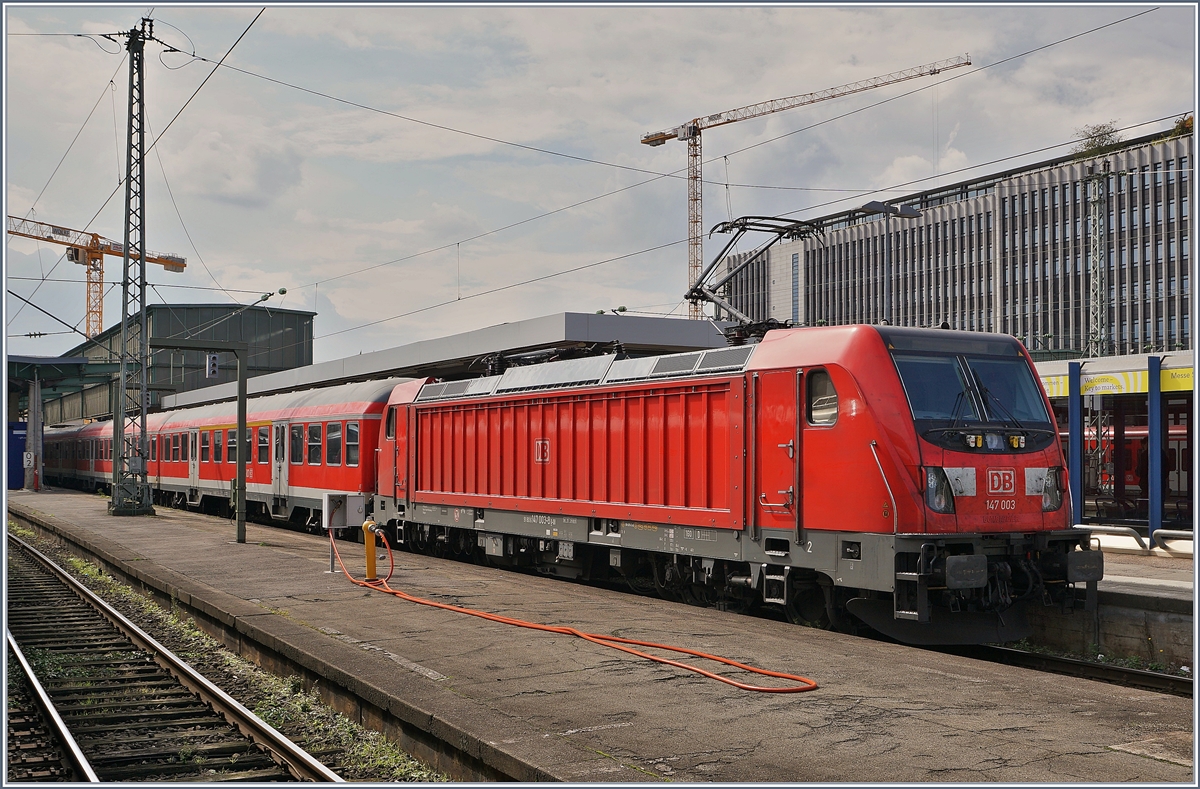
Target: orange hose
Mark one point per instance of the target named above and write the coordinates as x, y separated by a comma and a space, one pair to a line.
615, 642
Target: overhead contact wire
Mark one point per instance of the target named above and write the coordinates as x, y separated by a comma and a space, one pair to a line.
626, 645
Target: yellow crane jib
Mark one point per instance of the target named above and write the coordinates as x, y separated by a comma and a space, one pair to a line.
88, 249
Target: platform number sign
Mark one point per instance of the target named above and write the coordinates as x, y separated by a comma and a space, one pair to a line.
211, 367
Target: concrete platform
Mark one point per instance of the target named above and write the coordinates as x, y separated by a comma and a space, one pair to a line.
535, 706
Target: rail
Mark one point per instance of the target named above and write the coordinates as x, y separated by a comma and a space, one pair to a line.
71, 749
300, 762
1102, 672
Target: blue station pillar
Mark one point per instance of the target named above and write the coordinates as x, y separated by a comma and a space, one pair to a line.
1075, 440
1154, 444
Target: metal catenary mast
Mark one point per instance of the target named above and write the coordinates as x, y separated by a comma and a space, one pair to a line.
130, 486
691, 130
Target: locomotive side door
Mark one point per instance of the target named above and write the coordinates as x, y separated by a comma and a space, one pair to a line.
279, 469
775, 485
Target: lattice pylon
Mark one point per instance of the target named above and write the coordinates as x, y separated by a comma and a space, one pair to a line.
695, 217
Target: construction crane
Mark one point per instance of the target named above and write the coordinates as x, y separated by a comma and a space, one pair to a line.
691, 130
88, 249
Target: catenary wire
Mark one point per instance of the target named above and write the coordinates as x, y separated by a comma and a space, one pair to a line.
153, 145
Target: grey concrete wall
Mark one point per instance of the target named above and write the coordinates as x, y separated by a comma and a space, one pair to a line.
1155, 629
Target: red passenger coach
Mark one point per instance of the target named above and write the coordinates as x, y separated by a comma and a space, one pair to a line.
301, 446
910, 478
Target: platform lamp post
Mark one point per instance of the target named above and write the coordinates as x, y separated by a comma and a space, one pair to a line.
242, 351
904, 212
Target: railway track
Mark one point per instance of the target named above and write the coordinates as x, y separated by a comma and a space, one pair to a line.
136, 711
1117, 675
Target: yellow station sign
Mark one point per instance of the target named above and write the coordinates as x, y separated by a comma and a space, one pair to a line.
1178, 379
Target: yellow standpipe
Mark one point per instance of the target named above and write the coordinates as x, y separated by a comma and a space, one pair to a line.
369, 528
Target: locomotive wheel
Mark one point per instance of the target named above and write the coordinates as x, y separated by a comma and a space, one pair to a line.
698, 595
807, 607
641, 580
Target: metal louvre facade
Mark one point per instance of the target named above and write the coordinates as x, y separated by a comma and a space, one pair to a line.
1010, 253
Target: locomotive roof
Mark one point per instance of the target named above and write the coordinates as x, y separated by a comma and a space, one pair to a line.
600, 370
593, 371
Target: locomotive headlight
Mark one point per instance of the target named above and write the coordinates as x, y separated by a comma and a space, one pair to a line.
1052, 492
938, 495
995, 441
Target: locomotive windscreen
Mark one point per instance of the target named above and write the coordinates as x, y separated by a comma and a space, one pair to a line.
955, 378
960, 388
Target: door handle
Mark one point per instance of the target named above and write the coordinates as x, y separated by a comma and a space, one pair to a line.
790, 493
791, 449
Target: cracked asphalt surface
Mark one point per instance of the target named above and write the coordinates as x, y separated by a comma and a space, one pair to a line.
581, 712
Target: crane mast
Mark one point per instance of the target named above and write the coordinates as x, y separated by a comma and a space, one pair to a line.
691, 133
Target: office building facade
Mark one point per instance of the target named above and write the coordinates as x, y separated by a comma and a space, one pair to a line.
1006, 253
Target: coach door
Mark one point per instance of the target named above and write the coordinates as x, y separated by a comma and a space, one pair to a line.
193, 439
775, 484
279, 470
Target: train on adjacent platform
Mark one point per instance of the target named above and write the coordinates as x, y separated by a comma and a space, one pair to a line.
908, 479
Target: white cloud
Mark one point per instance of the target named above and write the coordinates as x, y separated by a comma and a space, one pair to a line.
282, 188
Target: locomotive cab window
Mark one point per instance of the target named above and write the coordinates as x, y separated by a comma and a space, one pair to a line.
391, 423
297, 444
822, 402
352, 443
333, 444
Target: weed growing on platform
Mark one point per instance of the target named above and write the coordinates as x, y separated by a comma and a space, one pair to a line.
17, 530
361, 754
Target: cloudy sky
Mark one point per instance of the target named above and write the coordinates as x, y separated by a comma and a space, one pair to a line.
373, 214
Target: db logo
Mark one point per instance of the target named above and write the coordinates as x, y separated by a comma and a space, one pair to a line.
1002, 481
541, 450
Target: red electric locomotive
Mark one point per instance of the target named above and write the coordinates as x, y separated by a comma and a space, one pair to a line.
910, 478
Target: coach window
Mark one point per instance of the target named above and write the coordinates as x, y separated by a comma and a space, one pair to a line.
352, 443
183, 446
204, 442
297, 440
218, 438
822, 399
174, 447
314, 445
264, 444
154, 448
232, 443
391, 423
333, 444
